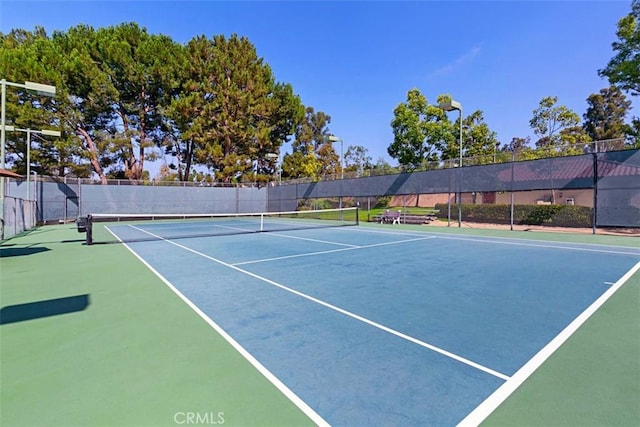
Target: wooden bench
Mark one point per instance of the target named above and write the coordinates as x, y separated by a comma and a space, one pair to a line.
392, 217
397, 217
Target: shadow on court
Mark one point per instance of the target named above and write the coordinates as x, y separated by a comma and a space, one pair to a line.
40, 309
6, 252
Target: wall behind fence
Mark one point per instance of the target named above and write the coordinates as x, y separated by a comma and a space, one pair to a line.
136, 199
613, 178
618, 191
614, 175
19, 213
66, 199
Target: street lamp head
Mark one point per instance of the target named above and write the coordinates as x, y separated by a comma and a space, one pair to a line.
451, 105
50, 132
40, 89
334, 138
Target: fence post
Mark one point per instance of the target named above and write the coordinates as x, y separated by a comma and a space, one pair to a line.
595, 191
513, 160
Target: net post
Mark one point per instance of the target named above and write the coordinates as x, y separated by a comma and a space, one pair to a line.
89, 230
358, 213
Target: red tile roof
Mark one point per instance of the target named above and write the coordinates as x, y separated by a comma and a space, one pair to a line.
8, 173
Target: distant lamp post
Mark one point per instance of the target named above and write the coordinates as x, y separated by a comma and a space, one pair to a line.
37, 88
46, 132
334, 138
450, 106
272, 156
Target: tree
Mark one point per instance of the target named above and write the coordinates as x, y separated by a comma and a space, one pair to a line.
604, 118
480, 143
85, 96
633, 133
418, 131
382, 167
548, 123
357, 160
230, 114
623, 70
26, 55
122, 93
313, 153
141, 69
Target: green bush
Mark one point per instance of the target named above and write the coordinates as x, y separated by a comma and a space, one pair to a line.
382, 202
552, 215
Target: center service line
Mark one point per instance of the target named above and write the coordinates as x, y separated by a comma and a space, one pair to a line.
328, 251
343, 311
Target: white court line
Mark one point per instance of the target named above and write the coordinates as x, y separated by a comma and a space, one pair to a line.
343, 311
330, 250
506, 240
294, 398
538, 245
479, 414
314, 240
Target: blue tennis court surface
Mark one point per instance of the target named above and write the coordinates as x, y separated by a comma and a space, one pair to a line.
370, 326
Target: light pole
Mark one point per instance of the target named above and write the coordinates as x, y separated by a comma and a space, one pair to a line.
334, 138
47, 132
39, 89
450, 106
271, 156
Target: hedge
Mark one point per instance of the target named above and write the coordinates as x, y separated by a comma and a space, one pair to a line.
552, 215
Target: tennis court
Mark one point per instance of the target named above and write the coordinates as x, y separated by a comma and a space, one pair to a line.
385, 325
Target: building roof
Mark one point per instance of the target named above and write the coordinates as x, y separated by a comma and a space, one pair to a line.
9, 174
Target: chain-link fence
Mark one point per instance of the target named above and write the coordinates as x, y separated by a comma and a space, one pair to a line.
19, 207
589, 190
599, 189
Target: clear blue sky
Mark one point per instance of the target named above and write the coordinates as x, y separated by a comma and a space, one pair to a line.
356, 60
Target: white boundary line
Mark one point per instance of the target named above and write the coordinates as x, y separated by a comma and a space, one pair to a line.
306, 409
331, 250
538, 245
343, 311
313, 240
489, 238
509, 241
480, 413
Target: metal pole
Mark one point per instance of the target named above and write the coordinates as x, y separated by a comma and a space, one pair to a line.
341, 159
3, 82
449, 204
341, 174
513, 159
28, 163
66, 200
460, 180
35, 193
595, 189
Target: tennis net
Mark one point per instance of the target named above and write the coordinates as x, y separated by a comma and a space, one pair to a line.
122, 228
